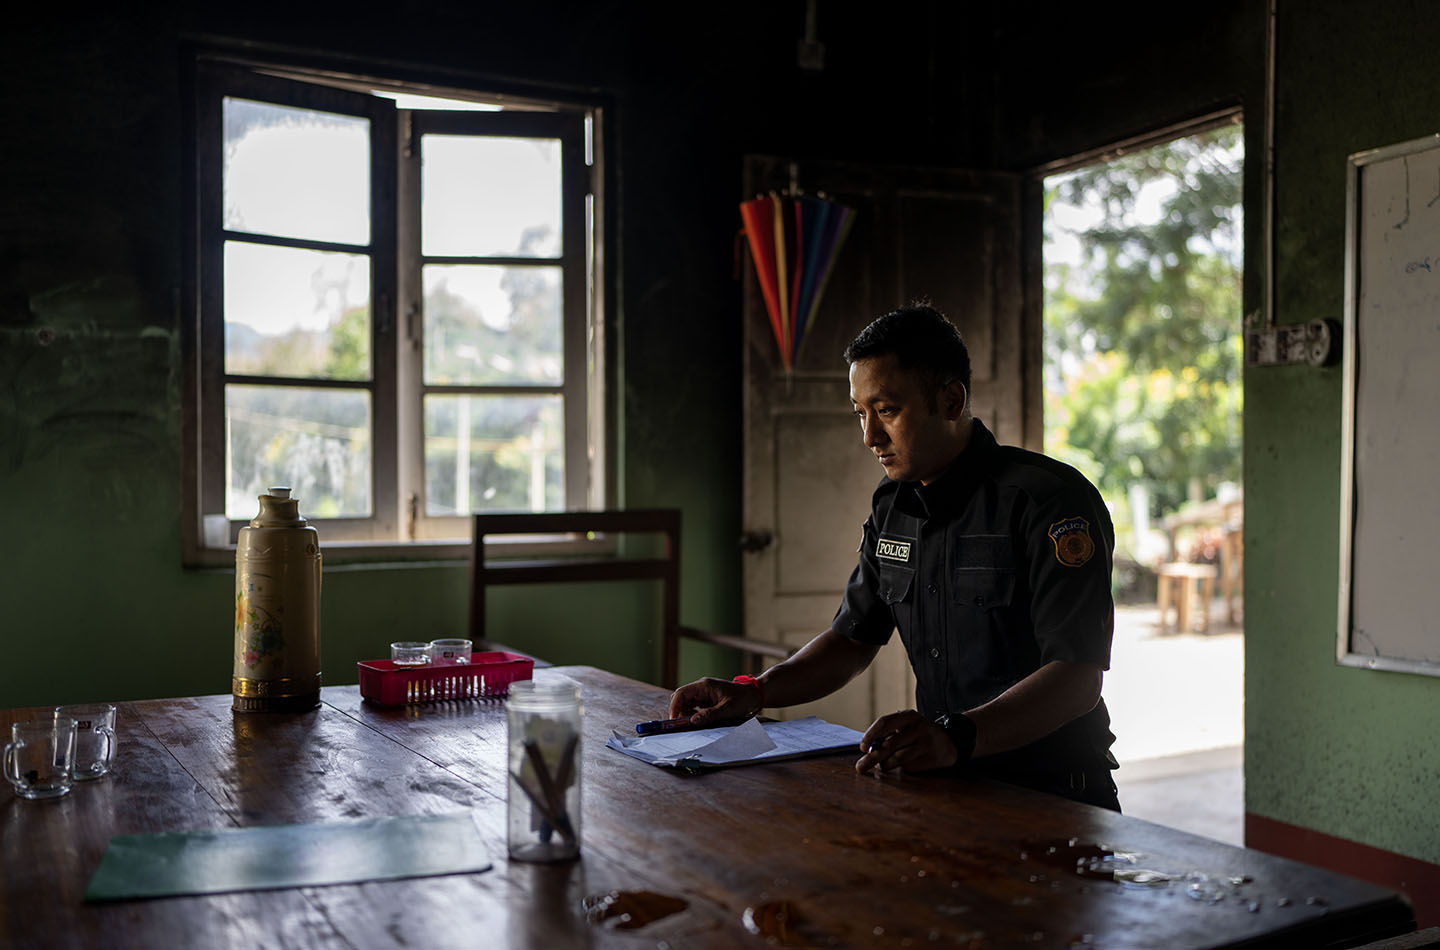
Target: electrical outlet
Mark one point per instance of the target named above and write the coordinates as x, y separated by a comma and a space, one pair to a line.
1316, 343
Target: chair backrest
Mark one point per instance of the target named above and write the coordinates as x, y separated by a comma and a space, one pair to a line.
666, 569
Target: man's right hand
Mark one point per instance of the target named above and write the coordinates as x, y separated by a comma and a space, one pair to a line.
715, 702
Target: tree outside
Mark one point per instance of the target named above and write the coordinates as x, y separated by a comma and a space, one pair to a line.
1142, 349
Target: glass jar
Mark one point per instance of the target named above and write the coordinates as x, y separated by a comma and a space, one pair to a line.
544, 763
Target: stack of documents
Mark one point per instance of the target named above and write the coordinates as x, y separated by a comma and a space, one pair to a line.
750, 742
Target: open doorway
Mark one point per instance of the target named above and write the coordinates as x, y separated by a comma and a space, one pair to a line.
1142, 387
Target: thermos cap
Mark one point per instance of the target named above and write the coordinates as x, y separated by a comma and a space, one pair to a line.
278, 510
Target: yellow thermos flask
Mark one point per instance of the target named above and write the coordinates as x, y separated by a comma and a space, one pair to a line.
277, 610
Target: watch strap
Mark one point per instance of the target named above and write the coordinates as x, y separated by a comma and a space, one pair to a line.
961, 730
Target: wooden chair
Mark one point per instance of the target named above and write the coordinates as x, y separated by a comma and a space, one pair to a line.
602, 567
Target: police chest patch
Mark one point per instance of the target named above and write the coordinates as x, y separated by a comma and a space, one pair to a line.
892, 550
1073, 545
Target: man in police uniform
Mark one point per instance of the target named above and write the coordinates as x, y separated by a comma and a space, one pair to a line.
994, 564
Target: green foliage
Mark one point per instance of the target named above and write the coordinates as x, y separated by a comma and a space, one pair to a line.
519, 343
1142, 335
348, 353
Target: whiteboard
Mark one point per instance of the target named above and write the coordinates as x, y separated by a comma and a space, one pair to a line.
1390, 453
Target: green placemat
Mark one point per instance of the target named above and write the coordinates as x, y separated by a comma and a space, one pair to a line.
256, 859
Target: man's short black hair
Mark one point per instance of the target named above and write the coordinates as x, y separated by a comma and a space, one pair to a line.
923, 340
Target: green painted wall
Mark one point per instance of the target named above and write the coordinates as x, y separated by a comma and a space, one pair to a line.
1348, 752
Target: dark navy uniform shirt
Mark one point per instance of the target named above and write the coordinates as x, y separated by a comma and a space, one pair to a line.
991, 571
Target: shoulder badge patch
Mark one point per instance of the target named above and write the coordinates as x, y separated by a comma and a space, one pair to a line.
892, 550
1073, 545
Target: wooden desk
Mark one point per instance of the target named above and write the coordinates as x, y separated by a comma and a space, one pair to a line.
887, 862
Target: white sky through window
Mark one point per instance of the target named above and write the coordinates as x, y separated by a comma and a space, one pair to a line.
306, 174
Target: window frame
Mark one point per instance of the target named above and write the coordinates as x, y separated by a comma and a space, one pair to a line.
398, 528
574, 254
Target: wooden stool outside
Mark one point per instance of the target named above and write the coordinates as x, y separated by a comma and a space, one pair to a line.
1182, 583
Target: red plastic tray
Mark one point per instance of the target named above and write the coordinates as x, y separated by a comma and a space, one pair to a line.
487, 675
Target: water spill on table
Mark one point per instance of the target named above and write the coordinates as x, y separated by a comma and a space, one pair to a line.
1200, 887
1051, 866
630, 910
775, 920
1087, 860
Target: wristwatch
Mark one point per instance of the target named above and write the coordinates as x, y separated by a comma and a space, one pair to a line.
961, 730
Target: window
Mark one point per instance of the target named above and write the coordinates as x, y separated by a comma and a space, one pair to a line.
395, 306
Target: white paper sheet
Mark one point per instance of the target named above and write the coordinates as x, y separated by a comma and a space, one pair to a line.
751, 741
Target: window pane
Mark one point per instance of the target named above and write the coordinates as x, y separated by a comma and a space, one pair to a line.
293, 312
493, 453
296, 172
317, 441
486, 324
490, 197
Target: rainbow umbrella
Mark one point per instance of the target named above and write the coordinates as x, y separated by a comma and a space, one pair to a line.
794, 242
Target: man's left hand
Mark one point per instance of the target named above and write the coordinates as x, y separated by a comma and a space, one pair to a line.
905, 740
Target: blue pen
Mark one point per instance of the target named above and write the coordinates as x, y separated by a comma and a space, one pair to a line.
661, 725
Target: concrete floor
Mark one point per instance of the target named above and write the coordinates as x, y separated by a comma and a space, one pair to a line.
1199, 792
1176, 705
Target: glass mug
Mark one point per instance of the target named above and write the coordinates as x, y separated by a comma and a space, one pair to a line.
40, 757
410, 653
94, 738
450, 652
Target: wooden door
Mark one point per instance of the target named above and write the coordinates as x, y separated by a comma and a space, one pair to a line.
952, 236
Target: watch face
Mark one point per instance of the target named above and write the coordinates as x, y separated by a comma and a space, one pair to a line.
961, 730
